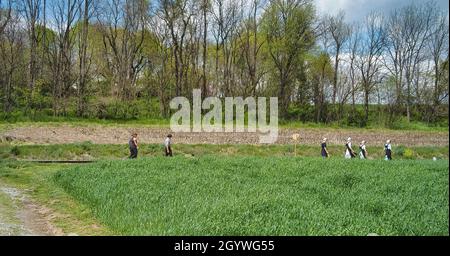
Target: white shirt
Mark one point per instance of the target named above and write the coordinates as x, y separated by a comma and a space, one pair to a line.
167, 142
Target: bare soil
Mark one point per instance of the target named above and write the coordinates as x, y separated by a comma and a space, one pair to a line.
309, 136
26, 218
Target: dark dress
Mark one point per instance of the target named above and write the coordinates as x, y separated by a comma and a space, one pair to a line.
133, 149
388, 152
363, 152
324, 152
349, 150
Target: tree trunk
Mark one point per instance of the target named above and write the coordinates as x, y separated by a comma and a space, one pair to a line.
205, 45
366, 105
82, 83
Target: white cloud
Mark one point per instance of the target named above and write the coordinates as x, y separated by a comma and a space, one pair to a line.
356, 10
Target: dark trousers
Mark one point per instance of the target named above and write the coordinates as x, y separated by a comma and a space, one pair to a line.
169, 151
133, 153
389, 154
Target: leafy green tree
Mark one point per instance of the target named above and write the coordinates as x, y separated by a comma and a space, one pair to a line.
288, 26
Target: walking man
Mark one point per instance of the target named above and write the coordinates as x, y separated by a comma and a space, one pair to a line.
168, 145
133, 143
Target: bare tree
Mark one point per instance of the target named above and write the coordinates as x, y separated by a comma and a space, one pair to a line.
83, 55
160, 63
418, 20
339, 32
226, 17
123, 28
353, 50
31, 10
438, 46
5, 14
370, 56
206, 5
251, 46
62, 51
394, 62
177, 16
11, 59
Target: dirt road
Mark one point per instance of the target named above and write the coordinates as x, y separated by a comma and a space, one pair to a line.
120, 135
19, 216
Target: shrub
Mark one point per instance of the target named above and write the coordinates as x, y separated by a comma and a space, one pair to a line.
399, 151
408, 153
356, 118
15, 151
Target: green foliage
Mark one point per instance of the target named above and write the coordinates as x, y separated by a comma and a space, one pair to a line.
15, 151
303, 113
263, 196
409, 153
400, 150
406, 153
356, 118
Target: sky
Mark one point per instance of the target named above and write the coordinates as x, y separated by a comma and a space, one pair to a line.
356, 10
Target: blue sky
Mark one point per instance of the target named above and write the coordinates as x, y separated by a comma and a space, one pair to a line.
357, 9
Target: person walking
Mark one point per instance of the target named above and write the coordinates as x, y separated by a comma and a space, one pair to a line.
168, 145
325, 153
133, 144
362, 150
349, 153
388, 150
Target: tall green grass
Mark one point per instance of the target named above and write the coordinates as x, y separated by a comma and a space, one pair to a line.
216, 195
90, 151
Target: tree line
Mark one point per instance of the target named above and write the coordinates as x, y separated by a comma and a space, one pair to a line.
104, 58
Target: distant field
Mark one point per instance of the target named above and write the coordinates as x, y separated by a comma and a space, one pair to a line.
104, 134
219, 195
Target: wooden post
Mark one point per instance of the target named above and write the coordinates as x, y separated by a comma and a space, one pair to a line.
295, 137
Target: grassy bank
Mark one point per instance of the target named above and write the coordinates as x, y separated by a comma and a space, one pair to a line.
215, 195
36, 182
89, 151
80, 122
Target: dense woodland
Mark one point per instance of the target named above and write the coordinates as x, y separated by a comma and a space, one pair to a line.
126, 59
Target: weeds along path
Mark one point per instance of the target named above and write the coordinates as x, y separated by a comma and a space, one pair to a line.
118, 135
19, 216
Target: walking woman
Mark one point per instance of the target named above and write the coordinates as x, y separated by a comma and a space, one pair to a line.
325, 153
349, 153
362, 150
388, 150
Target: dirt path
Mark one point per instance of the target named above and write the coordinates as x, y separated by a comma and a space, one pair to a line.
19, 216
120, 135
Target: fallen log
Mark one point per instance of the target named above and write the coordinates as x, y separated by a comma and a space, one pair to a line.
60, 161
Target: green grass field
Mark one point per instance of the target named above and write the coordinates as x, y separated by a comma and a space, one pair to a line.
90, 151
222, 195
